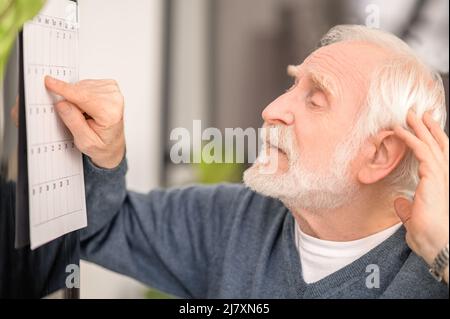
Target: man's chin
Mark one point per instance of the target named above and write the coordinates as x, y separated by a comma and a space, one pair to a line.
271, 185
263, 179
295, 193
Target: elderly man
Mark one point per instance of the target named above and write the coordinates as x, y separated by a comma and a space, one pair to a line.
326, 223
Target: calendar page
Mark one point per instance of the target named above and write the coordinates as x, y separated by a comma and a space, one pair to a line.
55, 169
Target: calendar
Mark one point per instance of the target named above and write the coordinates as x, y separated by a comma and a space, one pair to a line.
56, 191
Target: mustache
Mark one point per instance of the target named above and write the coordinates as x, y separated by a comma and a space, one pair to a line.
280, 137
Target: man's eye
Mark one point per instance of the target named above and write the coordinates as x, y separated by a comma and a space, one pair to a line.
314, 105
317, 100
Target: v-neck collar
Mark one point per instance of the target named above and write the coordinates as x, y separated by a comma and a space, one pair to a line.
329, 285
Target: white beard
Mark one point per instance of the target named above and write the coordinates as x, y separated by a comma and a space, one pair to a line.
299, 187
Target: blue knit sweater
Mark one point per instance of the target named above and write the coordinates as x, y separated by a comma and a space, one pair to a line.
226, 241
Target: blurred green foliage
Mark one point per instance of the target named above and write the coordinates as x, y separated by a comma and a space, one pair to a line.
156, 294
13, 14
219, 172
213, 173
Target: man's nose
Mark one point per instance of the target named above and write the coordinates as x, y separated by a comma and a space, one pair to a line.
279, 112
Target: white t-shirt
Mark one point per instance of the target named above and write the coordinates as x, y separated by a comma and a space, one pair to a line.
320, 258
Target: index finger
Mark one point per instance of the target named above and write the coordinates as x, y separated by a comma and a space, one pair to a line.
420, 149
64, 89
437, 132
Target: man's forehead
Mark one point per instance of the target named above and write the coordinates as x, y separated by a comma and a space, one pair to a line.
345, 63
348, 53
336, 58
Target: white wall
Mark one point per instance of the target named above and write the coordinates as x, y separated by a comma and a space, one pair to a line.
122, 40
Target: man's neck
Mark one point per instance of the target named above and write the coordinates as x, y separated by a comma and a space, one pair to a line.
366, 215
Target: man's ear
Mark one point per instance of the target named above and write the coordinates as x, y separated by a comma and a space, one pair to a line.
382, 154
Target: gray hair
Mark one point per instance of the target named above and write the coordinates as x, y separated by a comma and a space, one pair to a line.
404, 82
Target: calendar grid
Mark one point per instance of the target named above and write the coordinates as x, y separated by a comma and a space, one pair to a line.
54, 218
52, 66
52, 142
56, 180
55, 167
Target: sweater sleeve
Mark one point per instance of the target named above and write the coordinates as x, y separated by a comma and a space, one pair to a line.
166, 238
